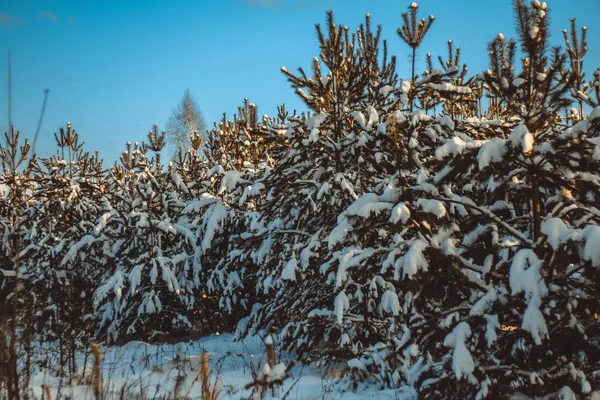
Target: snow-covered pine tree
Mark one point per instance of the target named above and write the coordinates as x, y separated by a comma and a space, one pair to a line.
527, 238
465, 236
228, 210
211, 196
458, 97
245, 140
277, 127
303, 276
15, 191
149, 291
334, 156
389, 250
305, 280
448, 86
60, 254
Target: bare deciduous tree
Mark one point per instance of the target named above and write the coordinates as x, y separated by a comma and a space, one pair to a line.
186, 118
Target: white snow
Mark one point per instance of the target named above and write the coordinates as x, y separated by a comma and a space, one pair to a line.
315, 121
400, 212
490, 329
75, 249
534, 322
448, 87
491, 151
348, 258
485, 302
314, 135
591, 251
339, 233
178, 181
231, 180
525, 277
212, 220
359, 118
373, 117
434, 207
445, 120
385, 90
525, 274
594, 114
367, 205
135, 277
556, 231
533, 31
411, 262
462, 361
289, 271
390, 303
518, 82
527, 143
356, 363
566, 394
138, 367
345, 185
406, 86
102, 221
520, 135
341, 305
453, 146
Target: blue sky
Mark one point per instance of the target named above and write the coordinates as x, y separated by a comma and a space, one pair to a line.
115, 68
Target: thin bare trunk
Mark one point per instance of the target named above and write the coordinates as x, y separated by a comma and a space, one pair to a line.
412, 79
536, 206
13, 375
3, 346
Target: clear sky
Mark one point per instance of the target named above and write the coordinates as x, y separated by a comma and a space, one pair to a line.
115, 68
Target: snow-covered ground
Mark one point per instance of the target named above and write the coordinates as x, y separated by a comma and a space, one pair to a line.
140, 370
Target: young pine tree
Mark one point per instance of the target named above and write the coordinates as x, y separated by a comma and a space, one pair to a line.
526, 237
149, 291
70, 196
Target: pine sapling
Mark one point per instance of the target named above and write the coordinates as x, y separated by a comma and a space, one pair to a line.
576, 50
412, 33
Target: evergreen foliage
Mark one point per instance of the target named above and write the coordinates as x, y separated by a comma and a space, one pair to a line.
404, 227
68, 198
412, 33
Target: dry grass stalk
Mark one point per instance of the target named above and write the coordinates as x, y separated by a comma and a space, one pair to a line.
179, 380
47, 392
208, 392
97, 371
270, 350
